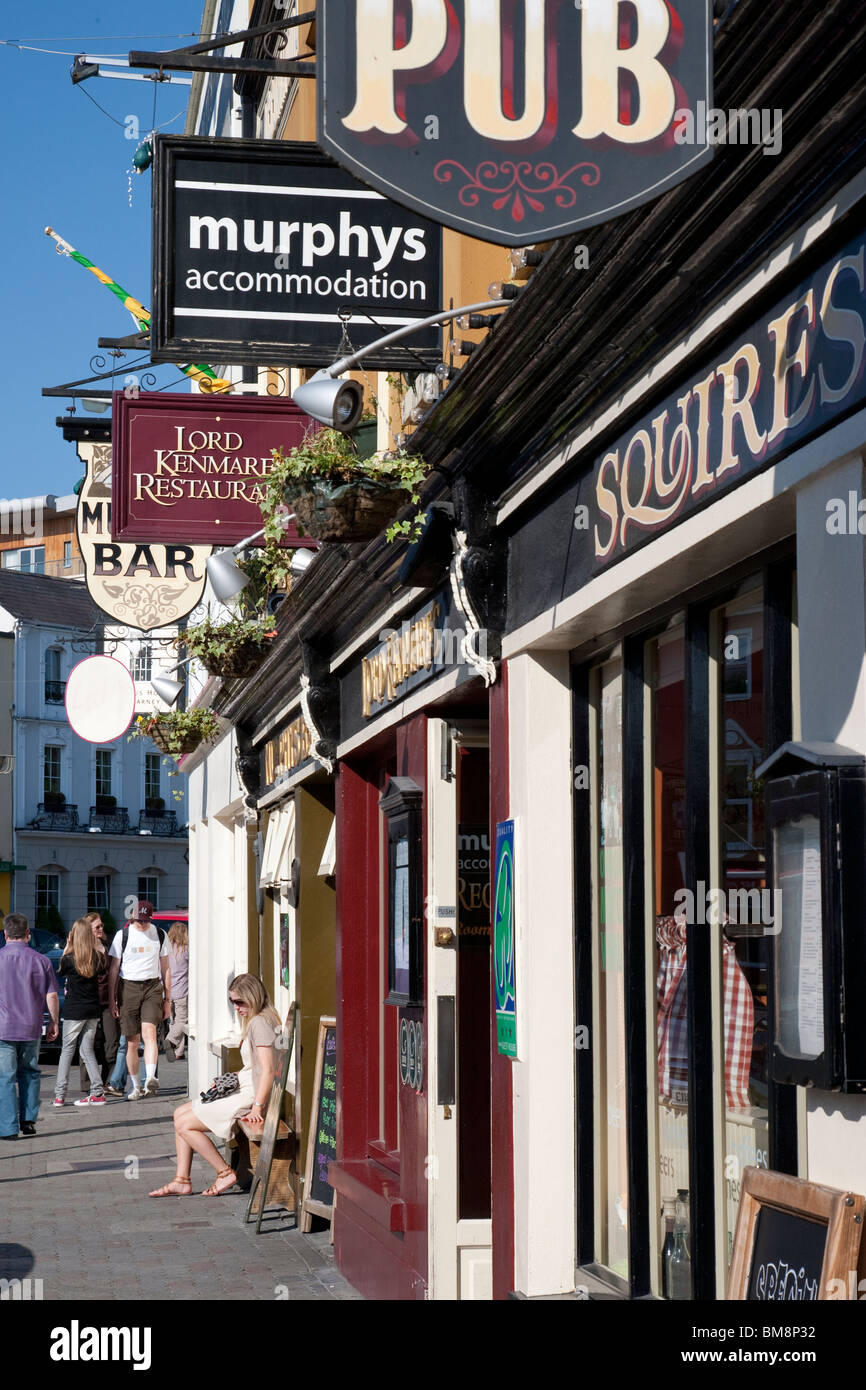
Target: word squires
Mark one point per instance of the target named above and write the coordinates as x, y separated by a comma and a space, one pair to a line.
203, 465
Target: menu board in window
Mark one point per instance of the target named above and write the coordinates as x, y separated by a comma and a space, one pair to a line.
799, 945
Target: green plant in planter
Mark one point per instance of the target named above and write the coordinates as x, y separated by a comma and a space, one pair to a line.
108, 921
232, 647
338, 496
177, 732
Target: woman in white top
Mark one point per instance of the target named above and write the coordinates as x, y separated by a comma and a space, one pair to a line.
192, 1121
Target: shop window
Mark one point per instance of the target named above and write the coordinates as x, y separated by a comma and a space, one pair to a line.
665, 665
611, 1118
743, 870
675, 948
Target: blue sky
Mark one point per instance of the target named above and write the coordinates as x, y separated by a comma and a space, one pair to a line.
64, 164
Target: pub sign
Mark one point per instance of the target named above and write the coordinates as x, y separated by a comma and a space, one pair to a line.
194, 468
147, 586
260, 247
517, 122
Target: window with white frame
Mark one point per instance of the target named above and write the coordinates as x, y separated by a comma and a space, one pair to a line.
103, 772
148, 889
67, 555
142, 663
47, 891
98, 892
29, 559
51, 769
54, 686
152, 763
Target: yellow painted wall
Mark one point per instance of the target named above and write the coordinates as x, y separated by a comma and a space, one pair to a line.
317, 945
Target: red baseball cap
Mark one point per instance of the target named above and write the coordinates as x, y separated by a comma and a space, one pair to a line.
144, 909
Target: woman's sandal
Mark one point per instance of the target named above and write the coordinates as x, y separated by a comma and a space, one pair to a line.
169, 1189
218, 1191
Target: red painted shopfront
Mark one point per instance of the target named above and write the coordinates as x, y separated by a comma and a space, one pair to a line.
424, 1173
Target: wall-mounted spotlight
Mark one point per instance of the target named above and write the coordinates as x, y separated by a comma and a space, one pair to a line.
337, 404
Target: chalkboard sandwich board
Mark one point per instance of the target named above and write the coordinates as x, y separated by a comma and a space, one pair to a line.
795, 1241
322, 1134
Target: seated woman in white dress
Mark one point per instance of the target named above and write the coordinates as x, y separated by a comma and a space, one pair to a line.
194, 1120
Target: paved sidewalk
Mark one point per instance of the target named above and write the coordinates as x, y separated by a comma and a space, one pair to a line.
77, 1216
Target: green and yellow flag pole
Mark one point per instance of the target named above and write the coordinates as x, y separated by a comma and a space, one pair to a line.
206, 377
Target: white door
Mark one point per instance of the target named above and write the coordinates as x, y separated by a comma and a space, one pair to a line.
460, 1250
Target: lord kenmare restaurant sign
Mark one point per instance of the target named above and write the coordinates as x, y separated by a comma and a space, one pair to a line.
194, 468
793, 371
516, 122
259, 247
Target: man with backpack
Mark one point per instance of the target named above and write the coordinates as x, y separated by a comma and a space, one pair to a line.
139, 963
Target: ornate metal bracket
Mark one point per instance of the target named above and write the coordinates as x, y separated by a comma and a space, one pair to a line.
320, 706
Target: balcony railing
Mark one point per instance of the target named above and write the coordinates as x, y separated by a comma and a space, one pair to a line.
109, 822
53, 817
55, 692
58, 569
113, 822
158, 823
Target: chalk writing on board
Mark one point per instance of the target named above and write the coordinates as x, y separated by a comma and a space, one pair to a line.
778, 1282
326, 1122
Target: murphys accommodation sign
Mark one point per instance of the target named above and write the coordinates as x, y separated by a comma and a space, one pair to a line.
261, 247
194, 468
519, 121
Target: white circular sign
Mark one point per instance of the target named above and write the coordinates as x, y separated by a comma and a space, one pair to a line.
100, 699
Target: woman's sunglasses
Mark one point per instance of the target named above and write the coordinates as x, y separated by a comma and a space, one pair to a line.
237, 1002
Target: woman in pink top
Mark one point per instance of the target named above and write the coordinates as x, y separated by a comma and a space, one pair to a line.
178, 959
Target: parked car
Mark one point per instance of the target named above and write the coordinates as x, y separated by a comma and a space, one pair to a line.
50, 944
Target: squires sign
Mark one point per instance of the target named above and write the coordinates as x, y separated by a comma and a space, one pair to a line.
517, 121
195, 468
792, 372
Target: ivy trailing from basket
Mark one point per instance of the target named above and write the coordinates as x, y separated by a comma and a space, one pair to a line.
326, 459
177, 732
232, 647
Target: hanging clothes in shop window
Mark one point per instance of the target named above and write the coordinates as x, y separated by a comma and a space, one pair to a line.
673, 1032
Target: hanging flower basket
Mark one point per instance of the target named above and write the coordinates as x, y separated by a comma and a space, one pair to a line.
230, 649
337, 495
237, 664
355, 510
178, 732
167, 742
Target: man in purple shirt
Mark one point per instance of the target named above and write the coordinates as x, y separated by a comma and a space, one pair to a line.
27, 987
